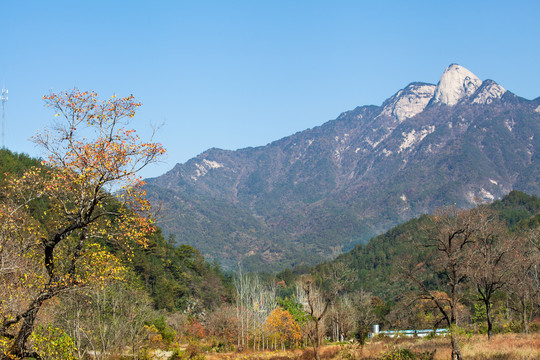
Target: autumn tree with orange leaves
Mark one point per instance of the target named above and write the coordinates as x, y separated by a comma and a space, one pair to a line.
282, 328
57, 220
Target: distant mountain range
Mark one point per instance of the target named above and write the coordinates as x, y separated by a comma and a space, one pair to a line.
315, 194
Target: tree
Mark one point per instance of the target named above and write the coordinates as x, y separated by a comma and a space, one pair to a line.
450, 234
489, 268
106, 320
524, 285
341, 318
254, 302
282, 328
222, 323
365, 304
58, 220
316, 304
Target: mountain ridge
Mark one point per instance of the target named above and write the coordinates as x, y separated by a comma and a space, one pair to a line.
323, 190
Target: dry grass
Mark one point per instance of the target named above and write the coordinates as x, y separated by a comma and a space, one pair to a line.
507, 347
501, 347
478, 347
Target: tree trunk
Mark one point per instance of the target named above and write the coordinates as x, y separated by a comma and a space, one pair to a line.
18, 347
488, 319
456, 353
525, 318
316, 351
317, 340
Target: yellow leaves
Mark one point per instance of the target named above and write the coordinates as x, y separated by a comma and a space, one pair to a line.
97, 267
53, 343
282, 326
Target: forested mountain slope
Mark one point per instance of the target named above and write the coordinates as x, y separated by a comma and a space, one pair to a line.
377, 266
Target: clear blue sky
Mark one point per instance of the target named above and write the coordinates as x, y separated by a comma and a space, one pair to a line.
232, 74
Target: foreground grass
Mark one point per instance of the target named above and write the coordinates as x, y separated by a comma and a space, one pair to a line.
477, 347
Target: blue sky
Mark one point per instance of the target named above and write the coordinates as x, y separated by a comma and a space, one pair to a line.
233, 74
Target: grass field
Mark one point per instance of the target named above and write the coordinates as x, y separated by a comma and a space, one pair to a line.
476, 347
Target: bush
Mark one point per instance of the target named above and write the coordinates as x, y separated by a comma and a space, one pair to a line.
53, 343
194, 351
407, 354
177, 355
167, 334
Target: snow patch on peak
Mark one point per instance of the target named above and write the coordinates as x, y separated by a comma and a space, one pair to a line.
408, 102
488, 91
456, 83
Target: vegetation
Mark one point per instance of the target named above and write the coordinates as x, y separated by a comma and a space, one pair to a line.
79, 251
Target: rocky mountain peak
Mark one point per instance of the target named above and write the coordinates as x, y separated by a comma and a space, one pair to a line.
489, 91
410, 101
455, 84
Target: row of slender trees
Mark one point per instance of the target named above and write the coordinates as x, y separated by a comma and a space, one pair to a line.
265, 320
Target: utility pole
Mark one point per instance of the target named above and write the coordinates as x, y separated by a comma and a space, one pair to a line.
3, 98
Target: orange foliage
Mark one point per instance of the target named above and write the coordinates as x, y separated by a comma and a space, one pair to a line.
196, 329
282, 327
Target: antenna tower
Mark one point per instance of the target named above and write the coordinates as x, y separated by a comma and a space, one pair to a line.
3, 98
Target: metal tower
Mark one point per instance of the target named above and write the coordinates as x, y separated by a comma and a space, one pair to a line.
3, 98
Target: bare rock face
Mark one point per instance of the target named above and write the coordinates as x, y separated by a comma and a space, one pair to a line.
409, 102
488, 92
455, 84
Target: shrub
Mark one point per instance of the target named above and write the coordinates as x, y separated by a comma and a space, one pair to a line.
407, 354
53, 343
167, 334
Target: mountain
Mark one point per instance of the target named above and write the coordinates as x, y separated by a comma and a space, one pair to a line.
317, 193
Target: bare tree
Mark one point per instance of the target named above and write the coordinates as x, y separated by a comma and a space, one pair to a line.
106, 321
489, 266
524, 286
316, 304
450, 234
365, 313
341, 317
254, 302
